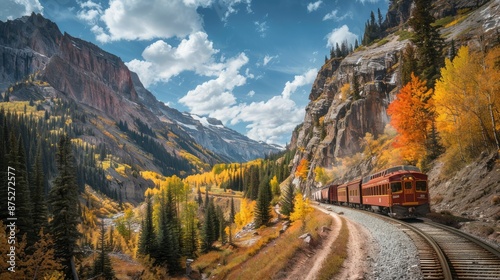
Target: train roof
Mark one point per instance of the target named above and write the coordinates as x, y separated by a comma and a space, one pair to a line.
391, 170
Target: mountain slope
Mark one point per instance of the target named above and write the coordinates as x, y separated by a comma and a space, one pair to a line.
41, 64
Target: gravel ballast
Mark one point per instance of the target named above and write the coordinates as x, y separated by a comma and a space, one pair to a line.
395, 255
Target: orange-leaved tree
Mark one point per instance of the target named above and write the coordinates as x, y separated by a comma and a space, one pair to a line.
412, 115
302, 169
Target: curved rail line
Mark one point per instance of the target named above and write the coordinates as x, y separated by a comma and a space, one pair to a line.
448, 253
433, 262
467, 257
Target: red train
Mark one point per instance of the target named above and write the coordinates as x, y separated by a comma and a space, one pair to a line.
399, 191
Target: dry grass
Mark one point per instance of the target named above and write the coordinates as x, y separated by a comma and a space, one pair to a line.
270, 254
125, 269
338, 253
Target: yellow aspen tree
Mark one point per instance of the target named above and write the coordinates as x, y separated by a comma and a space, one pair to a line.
301, 208
467, 101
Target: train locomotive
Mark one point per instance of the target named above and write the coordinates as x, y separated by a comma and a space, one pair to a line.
400, 192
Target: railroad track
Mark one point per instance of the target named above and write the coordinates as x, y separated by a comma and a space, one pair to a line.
447, 253
465, 256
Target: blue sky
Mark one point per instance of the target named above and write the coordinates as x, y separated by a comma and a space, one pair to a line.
249, 63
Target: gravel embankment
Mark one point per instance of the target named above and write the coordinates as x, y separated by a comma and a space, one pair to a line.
396, 256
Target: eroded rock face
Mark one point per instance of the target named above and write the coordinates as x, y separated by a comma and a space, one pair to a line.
334, 125
26, 48
91, 76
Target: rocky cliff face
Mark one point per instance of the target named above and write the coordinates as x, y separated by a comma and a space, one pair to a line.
334, 125
91, 76
26, 48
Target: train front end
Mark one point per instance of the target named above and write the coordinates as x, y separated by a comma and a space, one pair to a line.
409, 195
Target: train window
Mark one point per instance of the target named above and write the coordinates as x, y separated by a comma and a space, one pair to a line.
396, 187
421, 186
408, 185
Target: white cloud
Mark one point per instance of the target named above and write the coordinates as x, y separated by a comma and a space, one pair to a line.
369, 1
313, 6
12, 9
251, 93
90, 12
163, 61
198, 3
333, 16
268, 59
298, 81
230, 7
261, 28
145, 20
142, 20
272, 120
339, 35
269, 121
216, 94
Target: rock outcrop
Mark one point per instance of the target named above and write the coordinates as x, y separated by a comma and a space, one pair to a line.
334, 125
91, 76
26, 48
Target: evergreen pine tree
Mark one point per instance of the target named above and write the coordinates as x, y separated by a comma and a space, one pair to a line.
409, 64
214, 220
23, 204
263, 206
232, 212
147, 240
102, 265
199, 200
222, 224
434, 146
208, 228
287, 200
190, 239
63, 198
452, 51
38, 197
428, 41
169, 247
380, 18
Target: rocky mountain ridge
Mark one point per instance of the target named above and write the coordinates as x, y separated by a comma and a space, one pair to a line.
85, 73
137, 132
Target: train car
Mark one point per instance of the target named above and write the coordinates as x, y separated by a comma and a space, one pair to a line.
332, 194
354, 193
342, 195
324, 195
400, 191
316, 195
